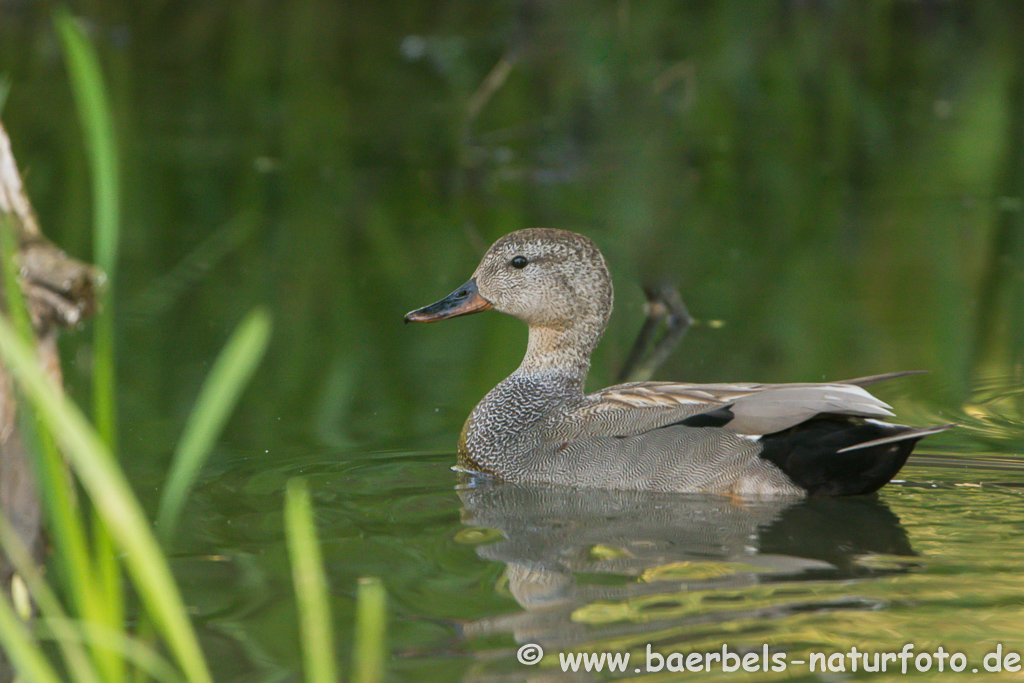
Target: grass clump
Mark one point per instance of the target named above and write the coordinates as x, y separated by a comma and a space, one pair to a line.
105, 541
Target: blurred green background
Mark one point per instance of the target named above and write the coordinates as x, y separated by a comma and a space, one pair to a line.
838, 183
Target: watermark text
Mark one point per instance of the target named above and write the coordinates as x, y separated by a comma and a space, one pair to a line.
906, 660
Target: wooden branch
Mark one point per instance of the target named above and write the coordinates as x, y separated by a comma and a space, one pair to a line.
13, 199
59, 291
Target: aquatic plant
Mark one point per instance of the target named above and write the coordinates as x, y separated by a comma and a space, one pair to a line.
104, 546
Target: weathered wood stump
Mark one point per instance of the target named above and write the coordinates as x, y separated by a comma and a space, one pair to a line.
59, 292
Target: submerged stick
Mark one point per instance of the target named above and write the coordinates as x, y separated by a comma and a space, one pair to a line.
665, 313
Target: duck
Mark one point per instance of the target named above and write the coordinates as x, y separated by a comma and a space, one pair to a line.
538, 426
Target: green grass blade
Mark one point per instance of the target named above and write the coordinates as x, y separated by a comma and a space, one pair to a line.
5, 90
101, 147
112, 496
25, 655
231, 372
310, 585
145, 658
103, 370
108, 576
369, 646
66, 528
101, 144
12, 284
78, 663
63, 511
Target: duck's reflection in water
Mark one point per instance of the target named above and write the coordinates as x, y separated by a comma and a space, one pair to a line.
615, 570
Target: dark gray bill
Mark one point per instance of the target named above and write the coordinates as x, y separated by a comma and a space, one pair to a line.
463, 301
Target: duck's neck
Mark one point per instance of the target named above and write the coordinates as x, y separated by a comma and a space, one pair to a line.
561, 352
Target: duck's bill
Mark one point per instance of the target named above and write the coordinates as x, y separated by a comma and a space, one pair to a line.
463, 301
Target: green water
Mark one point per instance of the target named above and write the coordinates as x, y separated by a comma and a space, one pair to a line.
836, 193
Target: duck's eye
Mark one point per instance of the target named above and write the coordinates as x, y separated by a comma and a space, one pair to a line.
519, 262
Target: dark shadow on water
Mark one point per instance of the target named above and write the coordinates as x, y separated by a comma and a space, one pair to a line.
613, 570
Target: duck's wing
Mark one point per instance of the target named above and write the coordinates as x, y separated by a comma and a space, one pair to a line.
875, 379
748, 409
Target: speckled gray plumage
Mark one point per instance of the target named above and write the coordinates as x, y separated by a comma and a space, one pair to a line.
538, 426
521, 432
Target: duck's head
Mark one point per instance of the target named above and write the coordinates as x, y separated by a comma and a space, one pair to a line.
551, 279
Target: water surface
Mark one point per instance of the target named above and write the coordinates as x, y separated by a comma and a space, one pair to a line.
477, 569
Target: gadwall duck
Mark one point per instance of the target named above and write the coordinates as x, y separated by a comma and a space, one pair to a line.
537, 426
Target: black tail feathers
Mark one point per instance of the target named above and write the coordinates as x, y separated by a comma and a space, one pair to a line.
838, 456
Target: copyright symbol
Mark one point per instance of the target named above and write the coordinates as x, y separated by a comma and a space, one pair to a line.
530, 654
